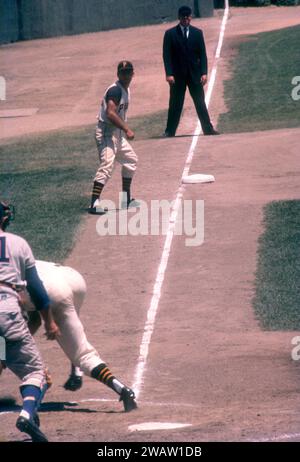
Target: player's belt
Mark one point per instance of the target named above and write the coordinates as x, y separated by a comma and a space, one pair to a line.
15, 287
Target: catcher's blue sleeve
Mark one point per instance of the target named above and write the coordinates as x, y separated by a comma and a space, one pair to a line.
36, 289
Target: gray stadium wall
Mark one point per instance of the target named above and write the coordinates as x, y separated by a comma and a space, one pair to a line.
9, 31
204, 8
30, 19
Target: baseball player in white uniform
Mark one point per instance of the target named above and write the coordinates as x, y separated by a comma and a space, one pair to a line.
17, 268
67, 289
112, 133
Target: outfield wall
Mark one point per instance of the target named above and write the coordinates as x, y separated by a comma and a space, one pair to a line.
29, 19
9, 31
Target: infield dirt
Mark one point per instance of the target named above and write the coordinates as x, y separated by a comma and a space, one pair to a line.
210, 365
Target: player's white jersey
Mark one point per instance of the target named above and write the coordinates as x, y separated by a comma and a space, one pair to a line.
15, 257
122, 98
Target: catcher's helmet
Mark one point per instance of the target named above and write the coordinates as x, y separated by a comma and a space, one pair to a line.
7, 214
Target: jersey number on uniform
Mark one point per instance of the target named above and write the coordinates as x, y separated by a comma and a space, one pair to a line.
3, 258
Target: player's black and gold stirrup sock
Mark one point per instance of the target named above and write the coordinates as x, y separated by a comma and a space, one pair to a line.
126, 184
97, 189
104, 375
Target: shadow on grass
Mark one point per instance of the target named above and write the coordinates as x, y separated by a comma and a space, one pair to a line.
277, 295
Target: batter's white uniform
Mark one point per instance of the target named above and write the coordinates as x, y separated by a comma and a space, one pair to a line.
111, 142
66, 289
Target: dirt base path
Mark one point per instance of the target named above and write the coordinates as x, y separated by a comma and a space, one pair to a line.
209, 364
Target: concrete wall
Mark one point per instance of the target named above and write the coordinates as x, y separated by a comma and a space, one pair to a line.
205, 7
29, 19
8, 21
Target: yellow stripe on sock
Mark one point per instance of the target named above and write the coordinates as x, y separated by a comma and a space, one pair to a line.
107, 376
102, 373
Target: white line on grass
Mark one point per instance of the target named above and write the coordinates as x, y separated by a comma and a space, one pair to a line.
151, 314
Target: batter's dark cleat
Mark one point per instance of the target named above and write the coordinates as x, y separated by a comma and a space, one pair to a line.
73, 383
128, 397
212, 132
29, 427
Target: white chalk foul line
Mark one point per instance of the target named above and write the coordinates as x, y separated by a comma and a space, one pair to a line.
152, 311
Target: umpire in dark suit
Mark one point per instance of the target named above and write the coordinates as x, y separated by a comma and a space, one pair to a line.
185, 63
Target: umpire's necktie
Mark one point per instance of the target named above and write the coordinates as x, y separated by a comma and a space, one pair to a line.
185, 35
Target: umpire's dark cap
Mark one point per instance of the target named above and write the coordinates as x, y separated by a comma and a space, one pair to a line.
125, 66
184, 11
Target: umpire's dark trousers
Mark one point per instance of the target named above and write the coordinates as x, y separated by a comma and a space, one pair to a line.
177, 94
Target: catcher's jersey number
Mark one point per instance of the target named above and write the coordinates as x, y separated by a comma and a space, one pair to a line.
3, 257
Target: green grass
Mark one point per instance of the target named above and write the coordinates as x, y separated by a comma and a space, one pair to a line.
151, 126
49, 177
46, 178
258, 94
277, 297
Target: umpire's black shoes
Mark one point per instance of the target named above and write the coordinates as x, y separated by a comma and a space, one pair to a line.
128, 397
29, 427
212, 132
73, 383
168, 135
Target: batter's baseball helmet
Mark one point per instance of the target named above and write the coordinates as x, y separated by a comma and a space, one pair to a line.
7, 214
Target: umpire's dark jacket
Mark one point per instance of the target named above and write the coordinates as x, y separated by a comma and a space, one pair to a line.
182, 58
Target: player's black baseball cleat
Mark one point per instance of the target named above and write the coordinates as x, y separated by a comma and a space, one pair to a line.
73, 383
97, 210
29, 427
128, 397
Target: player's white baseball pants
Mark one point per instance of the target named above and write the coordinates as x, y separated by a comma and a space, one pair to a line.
66, 289
112, 145
22, 355
73, 340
